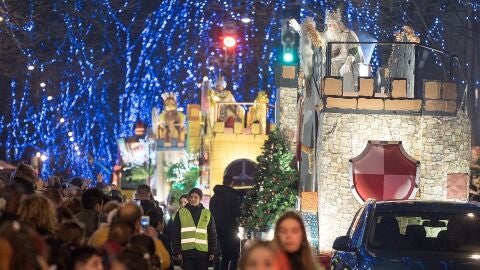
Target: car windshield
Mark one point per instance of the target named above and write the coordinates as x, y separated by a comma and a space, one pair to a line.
435, 231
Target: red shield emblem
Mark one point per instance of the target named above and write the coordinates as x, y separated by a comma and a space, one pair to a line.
384, 171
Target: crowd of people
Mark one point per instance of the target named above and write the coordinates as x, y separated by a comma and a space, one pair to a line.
76, 225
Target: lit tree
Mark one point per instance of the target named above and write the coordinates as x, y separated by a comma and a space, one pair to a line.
275, 186
106, 62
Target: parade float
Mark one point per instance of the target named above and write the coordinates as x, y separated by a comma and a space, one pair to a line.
217, 137
382, 120
364, 119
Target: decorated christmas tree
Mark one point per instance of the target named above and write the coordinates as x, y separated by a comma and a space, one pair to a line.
275, 186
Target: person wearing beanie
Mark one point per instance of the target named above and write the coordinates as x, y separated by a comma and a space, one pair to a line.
194, 238
25, 177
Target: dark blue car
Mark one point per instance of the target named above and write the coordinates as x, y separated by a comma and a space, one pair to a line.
411, 235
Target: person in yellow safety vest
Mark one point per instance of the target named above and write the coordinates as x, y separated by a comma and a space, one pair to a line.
194, 238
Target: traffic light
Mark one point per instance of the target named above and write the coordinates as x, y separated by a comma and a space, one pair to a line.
229, 36
288, 43
229, 41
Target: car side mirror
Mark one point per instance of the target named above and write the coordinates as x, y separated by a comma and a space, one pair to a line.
343, 243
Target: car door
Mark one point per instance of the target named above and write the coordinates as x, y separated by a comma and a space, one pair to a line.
349, 260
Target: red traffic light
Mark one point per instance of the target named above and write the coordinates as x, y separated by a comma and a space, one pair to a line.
229, 41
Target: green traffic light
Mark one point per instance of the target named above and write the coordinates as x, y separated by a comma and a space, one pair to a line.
288, 57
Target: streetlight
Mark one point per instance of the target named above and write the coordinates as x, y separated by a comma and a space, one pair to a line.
246, 19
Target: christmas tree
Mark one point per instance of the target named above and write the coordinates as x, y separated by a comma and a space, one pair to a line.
275, 190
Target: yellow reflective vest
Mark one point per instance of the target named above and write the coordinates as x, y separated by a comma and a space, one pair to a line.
191, 236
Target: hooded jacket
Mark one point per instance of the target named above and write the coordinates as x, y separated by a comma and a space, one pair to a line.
225, 207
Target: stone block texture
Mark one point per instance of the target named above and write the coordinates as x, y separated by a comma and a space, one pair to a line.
440, 143
287, 114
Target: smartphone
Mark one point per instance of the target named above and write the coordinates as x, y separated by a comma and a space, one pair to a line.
145, 222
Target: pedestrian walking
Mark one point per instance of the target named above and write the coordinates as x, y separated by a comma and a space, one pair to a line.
225, 207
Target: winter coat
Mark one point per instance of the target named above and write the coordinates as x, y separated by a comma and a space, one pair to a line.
225, 207
195, 211
90, 219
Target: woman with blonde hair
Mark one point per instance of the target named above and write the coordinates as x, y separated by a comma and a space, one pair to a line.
291, 237
39, 212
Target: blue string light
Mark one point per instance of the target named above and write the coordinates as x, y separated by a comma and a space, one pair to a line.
176, 46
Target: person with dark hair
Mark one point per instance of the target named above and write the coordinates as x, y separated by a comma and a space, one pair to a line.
291, 237
92, 201
183, 200
148, 244
143, 192
117, 196
225, 207
147, 206
132, 258
194, 238
144, 241
77, 182
86, 258
157, 221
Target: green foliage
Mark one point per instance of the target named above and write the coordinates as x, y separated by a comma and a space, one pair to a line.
140, 173
183, 176
275, 186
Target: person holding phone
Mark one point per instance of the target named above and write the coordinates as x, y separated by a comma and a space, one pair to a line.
194, 239
145, 222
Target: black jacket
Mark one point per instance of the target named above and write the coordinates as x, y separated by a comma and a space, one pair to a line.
225, 207
195, 211
90, 219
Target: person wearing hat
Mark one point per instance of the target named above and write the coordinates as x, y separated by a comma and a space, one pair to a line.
227, 113
194, 239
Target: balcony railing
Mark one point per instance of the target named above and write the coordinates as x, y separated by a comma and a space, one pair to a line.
240, 117
398, 77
